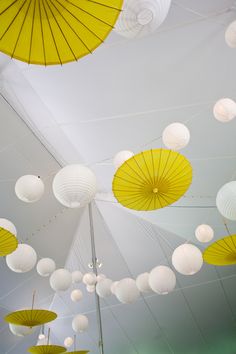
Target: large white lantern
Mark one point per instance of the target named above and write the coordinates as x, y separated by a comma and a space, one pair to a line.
76, 295
230, 35
20, 331
141, 17
68, 342
74, 186
77, 276
225, 110
142, 283
226, 200
45, 267
126, 291
204, 233
176, 136
121, 157
113, 287
103, 288
187, 259
162, 280
23, 259
89, 279
80, 323
60, 280
29, 188
8, 225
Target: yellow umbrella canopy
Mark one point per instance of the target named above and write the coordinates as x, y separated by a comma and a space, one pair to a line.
50, 32
221, 252
30, 318
8, 242
152, 179
47, 349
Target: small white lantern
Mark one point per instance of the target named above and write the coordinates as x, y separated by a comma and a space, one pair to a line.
162, 280
100, 277
230, 35
90, 288
103, 288
41, 336
80, 323
76, 295
142, 283
60, 280
121, 157
187, 259
29, 188
8, 225
77, 277
89, 279
23, 259
45, 267
126, 291
74, 186
176, 136
226, 200
20, 331
68, 342
225, 110
113, 287
204, 233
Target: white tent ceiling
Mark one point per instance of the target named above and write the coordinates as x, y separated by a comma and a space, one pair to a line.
122, 97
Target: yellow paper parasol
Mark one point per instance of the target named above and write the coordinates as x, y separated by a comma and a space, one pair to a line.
221, 252
8, 242
152, 179
47, 349
49, 32
30, 318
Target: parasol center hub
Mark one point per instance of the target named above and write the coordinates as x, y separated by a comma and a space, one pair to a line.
155, 190
145, 16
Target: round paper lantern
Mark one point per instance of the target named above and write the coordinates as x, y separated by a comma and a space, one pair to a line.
8, 225
121, 157
45, 267
142, 283
226, 200
90, 288
41, 336
74, 186
162, 280
141, 17
103, 288
60, 280
76, 295
29, 188
187, 259
80, 323
230, 35
225, 110
176, 136
68, 342
89, 279
100, 277
126, 291
77, 276
20, 331
113, 287
23, 259
204, 233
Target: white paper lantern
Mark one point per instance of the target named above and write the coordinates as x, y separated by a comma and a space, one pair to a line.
23, 259
225, 110
204, 233
80, 323
60, 280
226, 200
142, 283
76, 295
90, 288
187, 259
68, 342
121, 157
100, 277
89, 279
45, 267
162, 280
74, 186
41, 336
113, 287
20, 331
8, 225
77, 277
103, 288
176, 136
141, 17
127, 291
230, 35
29, 188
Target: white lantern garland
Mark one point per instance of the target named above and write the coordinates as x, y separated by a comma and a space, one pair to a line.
121, 157
89, 279
91, 288
226, 200
126, 291
60, 280
162, 280
225, 110
187, 259
142, 283
76, 295
80, 323
204, 233
100, 277
113, 287
8, 225
68, 342
176, 136
29, 188
103, 288
23, 259
45, 267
